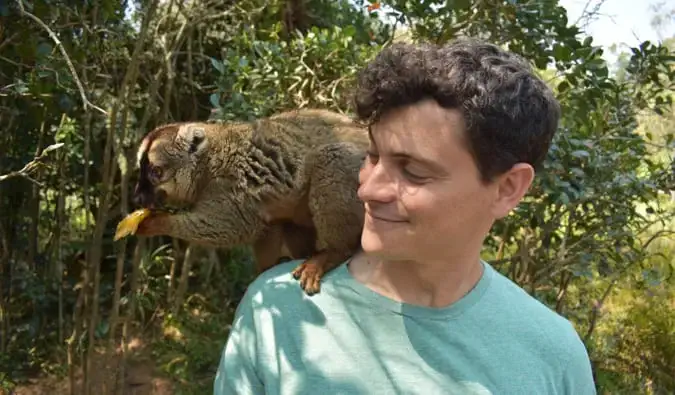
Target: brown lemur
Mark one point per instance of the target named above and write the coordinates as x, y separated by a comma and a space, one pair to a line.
289, 179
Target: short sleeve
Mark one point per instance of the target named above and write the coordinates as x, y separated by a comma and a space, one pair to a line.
237, 371
578, 374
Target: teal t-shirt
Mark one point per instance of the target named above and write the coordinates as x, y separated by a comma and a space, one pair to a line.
348, 339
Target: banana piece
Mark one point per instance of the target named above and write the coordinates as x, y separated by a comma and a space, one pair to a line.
129, 224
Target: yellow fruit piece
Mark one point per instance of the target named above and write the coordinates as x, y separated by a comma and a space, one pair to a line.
129, 224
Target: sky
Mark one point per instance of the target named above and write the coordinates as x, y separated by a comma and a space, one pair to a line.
626, 22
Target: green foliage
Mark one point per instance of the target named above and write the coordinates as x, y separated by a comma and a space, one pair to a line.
591, 240
636, 346
191, 345
191, 340
263, 76
260, 74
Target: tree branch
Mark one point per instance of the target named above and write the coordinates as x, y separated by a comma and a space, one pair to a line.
58, 43
31, 166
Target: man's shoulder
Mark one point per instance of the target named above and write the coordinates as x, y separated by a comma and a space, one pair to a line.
515, 299
279, 285
536, 331
542, 325
277, 280
276, 295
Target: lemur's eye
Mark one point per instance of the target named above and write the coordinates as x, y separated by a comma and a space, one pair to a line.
155, 173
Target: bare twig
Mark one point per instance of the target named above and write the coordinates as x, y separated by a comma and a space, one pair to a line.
32, 166
595, 314
587, 15
184, 278
58, 43
8, 40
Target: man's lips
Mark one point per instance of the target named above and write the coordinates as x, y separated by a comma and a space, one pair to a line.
384, 218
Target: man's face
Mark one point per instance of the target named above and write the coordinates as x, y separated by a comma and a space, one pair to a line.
422, 190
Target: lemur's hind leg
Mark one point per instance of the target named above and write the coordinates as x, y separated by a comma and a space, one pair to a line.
336, 210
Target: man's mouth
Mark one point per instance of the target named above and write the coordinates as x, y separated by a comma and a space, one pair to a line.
385, 218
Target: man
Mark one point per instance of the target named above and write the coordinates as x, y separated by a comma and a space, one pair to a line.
456, 134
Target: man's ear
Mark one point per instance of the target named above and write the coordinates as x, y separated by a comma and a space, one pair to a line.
192, 138
511, 187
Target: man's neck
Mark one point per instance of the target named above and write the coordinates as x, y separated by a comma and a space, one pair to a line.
438, 284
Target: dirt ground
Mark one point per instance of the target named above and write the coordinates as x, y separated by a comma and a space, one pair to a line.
141, 376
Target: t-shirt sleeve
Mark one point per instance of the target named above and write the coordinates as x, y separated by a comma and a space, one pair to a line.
578, 374
238, 371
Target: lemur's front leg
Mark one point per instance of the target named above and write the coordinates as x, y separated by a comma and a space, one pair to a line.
221, 222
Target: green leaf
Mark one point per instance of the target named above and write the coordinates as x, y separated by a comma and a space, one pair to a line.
43, 49
564, 198
561, 52
52, 147
102, 328
214, 98
595, 64
563, 86
577, 172
218, 65
580, 154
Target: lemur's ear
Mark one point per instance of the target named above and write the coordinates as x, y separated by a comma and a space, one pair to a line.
192, 138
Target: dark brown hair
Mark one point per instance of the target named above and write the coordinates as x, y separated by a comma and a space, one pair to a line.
510, 114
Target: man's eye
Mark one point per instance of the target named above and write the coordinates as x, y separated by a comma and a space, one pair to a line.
413, 176
372, 156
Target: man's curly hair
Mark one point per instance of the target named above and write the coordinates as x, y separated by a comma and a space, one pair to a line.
510, 113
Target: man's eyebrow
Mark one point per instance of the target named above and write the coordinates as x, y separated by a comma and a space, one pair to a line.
401, 154
432, 165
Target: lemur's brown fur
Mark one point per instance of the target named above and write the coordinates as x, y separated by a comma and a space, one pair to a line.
287, 179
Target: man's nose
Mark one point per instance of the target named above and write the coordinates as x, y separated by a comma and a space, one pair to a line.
376, 184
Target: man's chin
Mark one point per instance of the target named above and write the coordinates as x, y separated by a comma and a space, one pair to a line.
375, 245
